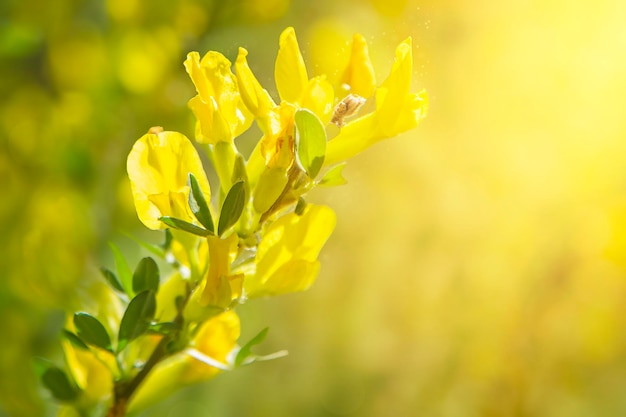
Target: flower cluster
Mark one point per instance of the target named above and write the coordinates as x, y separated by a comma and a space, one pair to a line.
254, 236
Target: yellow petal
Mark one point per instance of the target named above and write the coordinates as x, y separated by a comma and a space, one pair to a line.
294, 275
290, 73
319, 97
192, 65
287, 255
158, 167
353, 138
359, 74
392, 96
254, 96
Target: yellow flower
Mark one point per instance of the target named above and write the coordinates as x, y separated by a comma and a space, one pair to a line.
215, 339
219, 287
286, 259
221, 114
158, 167
397, 110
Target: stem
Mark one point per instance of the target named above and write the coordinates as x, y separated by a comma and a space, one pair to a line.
124, 390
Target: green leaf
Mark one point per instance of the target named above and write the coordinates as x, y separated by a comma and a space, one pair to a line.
334, 176
110, 277
245, 351
300, 206
168, 239
59, 384
310, 142
76, 341
232, 207
185, 226
40, 365
156, 250
137, 318
146, 276
123, 270
198, 204
91, 331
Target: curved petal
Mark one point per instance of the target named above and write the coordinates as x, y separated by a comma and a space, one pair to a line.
287, 254
290, 73
158, 167
254, 96
359, 74
393, 94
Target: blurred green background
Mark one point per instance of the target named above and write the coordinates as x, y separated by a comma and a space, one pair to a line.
479, 263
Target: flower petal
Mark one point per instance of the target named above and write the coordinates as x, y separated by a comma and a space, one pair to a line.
158, 167
359, 74
290, 73
393, 94
254, 96
287, 254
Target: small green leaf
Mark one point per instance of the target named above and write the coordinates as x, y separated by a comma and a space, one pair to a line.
168, 239
310, 142
137, 318
198, 204
91, 331
146, 276
110, 277
185, 226
334, 176
156, 250
123, 270
40, 365
245, 351
59, 384
232, 208
300, 206
76, 341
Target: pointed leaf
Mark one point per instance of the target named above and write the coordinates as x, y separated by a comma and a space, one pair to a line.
137, 318
123, 270
76, 341
59, 384
40, 365
310, 142
91, 331
334, 176
232, 208
245, 351
185, 226
198, 204
146, 276
156, 250
110, 277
